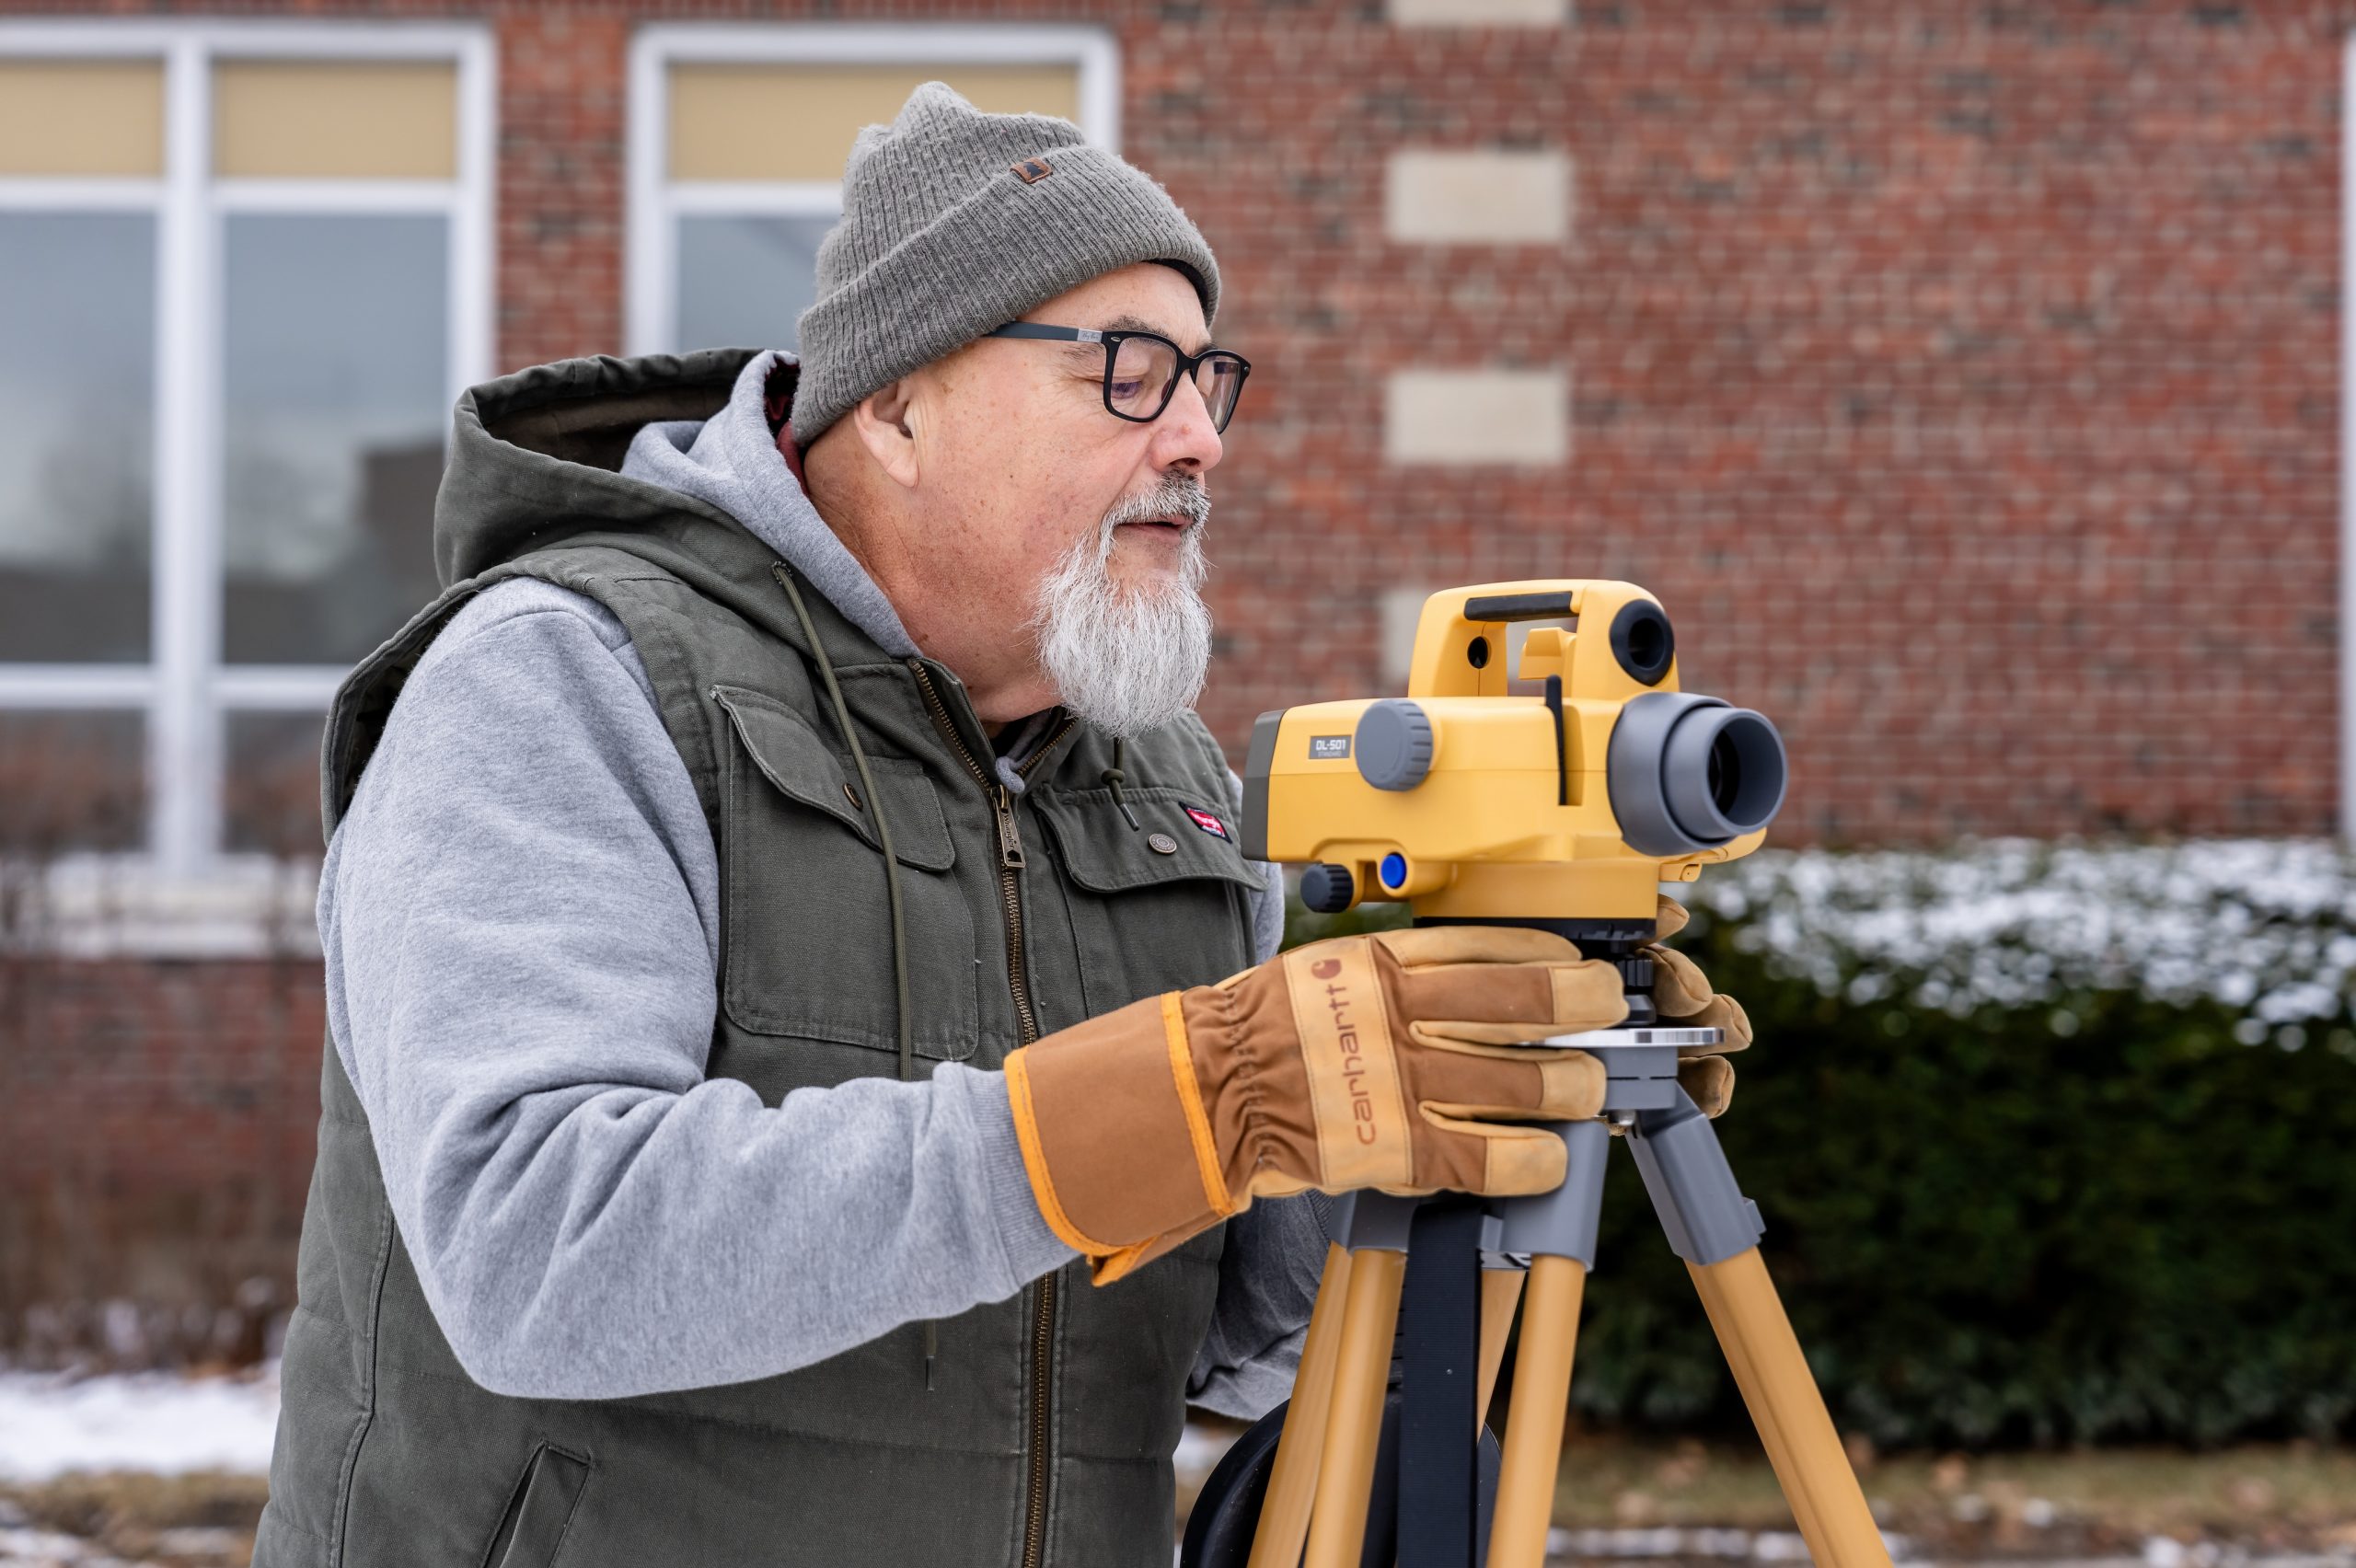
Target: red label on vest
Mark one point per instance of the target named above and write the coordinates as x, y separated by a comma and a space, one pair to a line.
1207, 823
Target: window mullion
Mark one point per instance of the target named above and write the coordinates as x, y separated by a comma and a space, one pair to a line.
184, 741
649, 314
474, 350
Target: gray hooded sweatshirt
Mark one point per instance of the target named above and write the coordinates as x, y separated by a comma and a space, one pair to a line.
520, 915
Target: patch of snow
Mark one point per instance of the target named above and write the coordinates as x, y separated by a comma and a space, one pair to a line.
40, 1548
50, 1426
2263, 925
1670, 1541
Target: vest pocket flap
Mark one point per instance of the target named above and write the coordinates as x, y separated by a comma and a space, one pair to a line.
1176, 837
791, 757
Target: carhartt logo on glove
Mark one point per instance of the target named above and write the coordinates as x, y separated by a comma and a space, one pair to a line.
1353, 1081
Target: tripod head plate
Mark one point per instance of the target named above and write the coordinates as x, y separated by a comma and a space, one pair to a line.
1651, 1036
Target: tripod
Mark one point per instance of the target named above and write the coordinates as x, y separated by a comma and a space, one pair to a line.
1311, 1467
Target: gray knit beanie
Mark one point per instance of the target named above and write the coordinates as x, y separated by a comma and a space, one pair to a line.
955, 221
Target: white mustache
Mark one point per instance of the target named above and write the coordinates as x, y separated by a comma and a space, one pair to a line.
1184, 499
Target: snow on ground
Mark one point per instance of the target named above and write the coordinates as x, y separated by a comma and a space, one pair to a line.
155, 1422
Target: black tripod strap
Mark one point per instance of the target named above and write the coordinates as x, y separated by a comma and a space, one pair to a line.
1439, 1339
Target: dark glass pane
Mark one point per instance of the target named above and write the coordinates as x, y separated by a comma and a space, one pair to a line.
71, 781
743, 282
335, 400
77, 377
272, 793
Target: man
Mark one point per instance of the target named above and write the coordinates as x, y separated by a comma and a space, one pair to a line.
805, 1049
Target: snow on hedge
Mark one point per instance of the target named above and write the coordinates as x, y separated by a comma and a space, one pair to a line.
2265, 927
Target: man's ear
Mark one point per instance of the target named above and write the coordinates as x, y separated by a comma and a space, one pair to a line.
885, 421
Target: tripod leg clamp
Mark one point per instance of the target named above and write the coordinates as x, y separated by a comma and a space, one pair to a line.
1373, 1220
1700, 1207
1562, 1223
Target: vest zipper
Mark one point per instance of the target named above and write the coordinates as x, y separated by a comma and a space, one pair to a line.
1011, 862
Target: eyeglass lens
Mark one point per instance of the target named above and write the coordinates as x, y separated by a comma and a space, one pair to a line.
1145, 373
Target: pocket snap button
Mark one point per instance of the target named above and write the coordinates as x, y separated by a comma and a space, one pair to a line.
1162, 844
852, 796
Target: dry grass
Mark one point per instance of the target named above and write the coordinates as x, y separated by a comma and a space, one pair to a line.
2268, 1497
2283, 1498
173, 1521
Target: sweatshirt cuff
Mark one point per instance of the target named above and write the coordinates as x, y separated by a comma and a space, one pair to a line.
1031, 1249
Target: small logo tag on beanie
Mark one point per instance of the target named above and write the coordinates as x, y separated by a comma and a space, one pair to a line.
1033, 171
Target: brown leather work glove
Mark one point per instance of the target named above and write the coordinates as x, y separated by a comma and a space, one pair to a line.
1682, 994
1383, 1061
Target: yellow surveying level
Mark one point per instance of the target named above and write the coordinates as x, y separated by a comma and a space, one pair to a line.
1477, 804
1557, 794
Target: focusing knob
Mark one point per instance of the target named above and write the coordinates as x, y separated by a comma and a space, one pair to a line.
1328, 890
1394, 745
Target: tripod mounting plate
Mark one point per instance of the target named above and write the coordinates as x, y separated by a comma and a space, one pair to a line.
1639, 1064
1624, 1039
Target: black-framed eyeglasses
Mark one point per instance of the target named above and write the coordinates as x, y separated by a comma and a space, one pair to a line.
1141, 369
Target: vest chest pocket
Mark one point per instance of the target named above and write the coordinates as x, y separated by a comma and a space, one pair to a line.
1148, 919
806, 924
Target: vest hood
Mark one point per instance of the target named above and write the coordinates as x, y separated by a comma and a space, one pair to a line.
735, 461
537, 456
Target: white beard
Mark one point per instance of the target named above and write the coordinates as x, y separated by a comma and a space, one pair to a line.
1127, 658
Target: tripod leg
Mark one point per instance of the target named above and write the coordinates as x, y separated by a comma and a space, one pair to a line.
1716, 1229
1771, 1431
1556, 1231
1353, 1427
1814, 1470
1541, 1388
1500, 1294
1292, 1481
1436, 1501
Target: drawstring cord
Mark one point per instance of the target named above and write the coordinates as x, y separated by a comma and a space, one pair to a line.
890, 877
1114, 778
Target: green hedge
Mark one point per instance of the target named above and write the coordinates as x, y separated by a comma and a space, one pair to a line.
2023, 1185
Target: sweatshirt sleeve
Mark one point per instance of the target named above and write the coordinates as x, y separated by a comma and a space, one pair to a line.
519, 915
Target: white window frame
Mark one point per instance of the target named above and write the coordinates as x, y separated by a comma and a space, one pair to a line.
657, 202
185, 688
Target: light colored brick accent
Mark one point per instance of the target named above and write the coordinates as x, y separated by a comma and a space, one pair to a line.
1400, 610
1480, 13
1477, 416
1480, 196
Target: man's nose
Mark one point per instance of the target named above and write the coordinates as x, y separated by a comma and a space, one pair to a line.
1183, 436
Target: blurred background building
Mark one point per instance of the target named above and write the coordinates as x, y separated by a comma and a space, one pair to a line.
1965, 377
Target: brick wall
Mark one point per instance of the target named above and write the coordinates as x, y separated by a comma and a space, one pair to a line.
155, 1141
1961, 376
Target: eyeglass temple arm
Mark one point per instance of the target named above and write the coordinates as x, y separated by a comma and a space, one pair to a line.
1053, 334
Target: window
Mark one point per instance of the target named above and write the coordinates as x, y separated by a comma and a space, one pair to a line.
247, 271
738, 136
